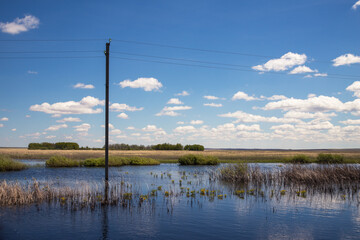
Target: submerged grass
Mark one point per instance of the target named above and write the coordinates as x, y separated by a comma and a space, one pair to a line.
8, 164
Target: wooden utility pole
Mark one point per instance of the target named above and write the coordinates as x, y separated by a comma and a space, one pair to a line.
107, 54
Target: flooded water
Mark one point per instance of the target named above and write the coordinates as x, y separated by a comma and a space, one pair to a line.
185, 213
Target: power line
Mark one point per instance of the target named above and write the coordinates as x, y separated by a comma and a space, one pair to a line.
60, 51
53, 40
214, 67
51, 57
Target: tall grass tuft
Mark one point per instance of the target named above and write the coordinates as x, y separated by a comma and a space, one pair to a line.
329, 158
8, 164
61, 161
301, 158
191, 159
115, 161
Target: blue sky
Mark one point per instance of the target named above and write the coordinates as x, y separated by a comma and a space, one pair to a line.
283, 74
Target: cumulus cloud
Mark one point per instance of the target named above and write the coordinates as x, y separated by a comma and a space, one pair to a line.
20, 25
1, 125
14, 129
130, 128
356, 5
277, 97
302, 69
183, 93
211, 97
84, 86
196, 122
84, 106
180, 122
308, 115
148, 84
154, 130
174, 101
320, 75
283, 63
123, 116
351, 122
83, 127
110, 126
171, 111
243, 96
346, 59
32, 72
355, 87
185, 129
122, 107
56, 127
213, 104
115, 131
247, 117
50, 137
28, 116
4, 119
69, 119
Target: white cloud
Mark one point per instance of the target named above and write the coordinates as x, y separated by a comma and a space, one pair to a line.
351, 122
123, 116
122, 107
84, 106
83, 127
56, 127
247, 117
241, 95
302, 69
283, 63
50, 137
211, 97
308, 115
346, 59
69, 119
277, 97
130, 128
20, 25
28, 116
1, 125
154, 130
170, 111
148, 84
174, 101
180, 122
183, 93
4, 119
110, 126
196, 122
185, 129
84, 86
356, 5
136, 134
355, 87
14, 129
320, 75
115, 131
213, 104
32, 72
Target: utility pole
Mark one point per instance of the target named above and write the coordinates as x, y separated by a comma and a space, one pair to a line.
107, 54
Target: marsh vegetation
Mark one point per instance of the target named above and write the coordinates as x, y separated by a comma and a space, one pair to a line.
8, 164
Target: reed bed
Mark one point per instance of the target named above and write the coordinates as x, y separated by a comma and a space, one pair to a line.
8, 164
326, 177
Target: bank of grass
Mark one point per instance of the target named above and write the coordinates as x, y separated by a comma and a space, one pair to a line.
8, 164
224, 156
195, 159
61, 161
115, 161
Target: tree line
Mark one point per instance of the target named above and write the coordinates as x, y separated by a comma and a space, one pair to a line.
121, 146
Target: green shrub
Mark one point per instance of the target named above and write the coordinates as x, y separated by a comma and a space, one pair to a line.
119, 161
194, 147
8, 164
329, 158
301, 158
66, 146
191, 159
58, 145
167, 146
60, 161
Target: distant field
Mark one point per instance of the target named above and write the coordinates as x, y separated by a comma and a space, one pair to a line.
351, 156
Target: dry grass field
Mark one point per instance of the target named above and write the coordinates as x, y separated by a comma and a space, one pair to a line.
350, 155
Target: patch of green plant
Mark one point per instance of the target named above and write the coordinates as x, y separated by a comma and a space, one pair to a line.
8, 164
194, 147
191, 159
115, 161
328, 158
61, 161
301, 158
